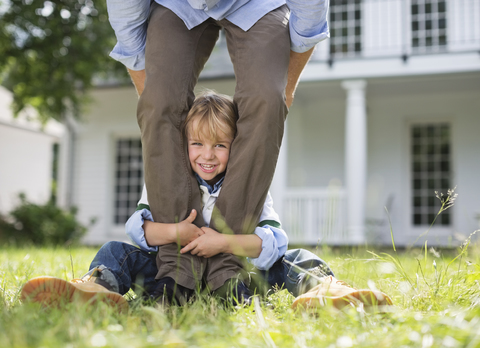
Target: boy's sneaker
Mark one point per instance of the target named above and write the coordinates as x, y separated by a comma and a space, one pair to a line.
339, 294
51, 291
235, 291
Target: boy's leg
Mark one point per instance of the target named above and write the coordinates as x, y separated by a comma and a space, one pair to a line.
111, 274
313, 283
119, 266
298, 271
174, 57
260, 57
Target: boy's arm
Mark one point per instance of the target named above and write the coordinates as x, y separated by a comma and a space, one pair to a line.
213, 243
148, 235
262, 249
274, 245
157, 233
135, 232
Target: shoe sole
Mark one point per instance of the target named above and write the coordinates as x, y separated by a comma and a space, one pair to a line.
368, 298
55, 292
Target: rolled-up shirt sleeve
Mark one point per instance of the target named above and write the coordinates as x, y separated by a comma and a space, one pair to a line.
134, 229
308, 23
274, 246
128, 19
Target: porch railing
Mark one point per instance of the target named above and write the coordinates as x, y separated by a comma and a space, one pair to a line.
314, 216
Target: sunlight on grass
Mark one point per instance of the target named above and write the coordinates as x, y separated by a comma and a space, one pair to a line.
436, 295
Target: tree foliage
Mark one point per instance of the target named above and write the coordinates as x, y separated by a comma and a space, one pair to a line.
50, 51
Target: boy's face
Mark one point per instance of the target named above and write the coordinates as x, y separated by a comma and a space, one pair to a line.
208, 157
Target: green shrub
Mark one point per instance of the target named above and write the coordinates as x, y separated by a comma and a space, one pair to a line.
40, 224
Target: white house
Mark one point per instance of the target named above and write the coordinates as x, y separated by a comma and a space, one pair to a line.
387, 113
26, 155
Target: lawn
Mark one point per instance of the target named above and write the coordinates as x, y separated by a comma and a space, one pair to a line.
436, 295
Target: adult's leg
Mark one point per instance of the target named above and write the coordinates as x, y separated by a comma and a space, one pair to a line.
260, 57
174, 57
226, 277
185, 269
223, 267
120, 265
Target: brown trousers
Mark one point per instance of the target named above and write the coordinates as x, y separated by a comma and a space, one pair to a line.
174, 58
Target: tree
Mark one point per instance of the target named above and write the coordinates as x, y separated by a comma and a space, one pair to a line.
50, 51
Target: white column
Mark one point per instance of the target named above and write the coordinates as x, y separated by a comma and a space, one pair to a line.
356, 159
66, 161
279, 183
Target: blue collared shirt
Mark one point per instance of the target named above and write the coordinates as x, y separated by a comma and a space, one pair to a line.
210, 189
308, 21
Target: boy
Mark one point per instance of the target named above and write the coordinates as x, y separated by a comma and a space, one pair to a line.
210, 129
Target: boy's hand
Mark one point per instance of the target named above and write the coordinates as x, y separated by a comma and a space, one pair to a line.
186, 231
207, 245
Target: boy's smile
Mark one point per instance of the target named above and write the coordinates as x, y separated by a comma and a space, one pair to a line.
209, 157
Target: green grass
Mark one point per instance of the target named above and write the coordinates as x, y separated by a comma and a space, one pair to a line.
437, 304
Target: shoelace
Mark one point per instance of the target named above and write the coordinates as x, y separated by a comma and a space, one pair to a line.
88, 279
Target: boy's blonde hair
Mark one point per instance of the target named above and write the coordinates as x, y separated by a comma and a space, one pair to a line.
215, 114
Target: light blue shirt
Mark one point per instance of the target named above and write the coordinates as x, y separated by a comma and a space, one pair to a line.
308, 21
274, 240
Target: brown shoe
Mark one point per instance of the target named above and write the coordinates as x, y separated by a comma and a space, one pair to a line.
51, 291
339, 294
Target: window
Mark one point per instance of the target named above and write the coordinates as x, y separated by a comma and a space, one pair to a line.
429, 24
345, 28
431, 171
128, 178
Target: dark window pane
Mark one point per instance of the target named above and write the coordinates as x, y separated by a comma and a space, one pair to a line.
445, 218
445, 183
442, 23
417, 149
444, 166
430, 166
417, 202
442, 40
128, 183
417, 166
416, 132
430, 157
417, 219
414, 9
442, 6
444, 149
